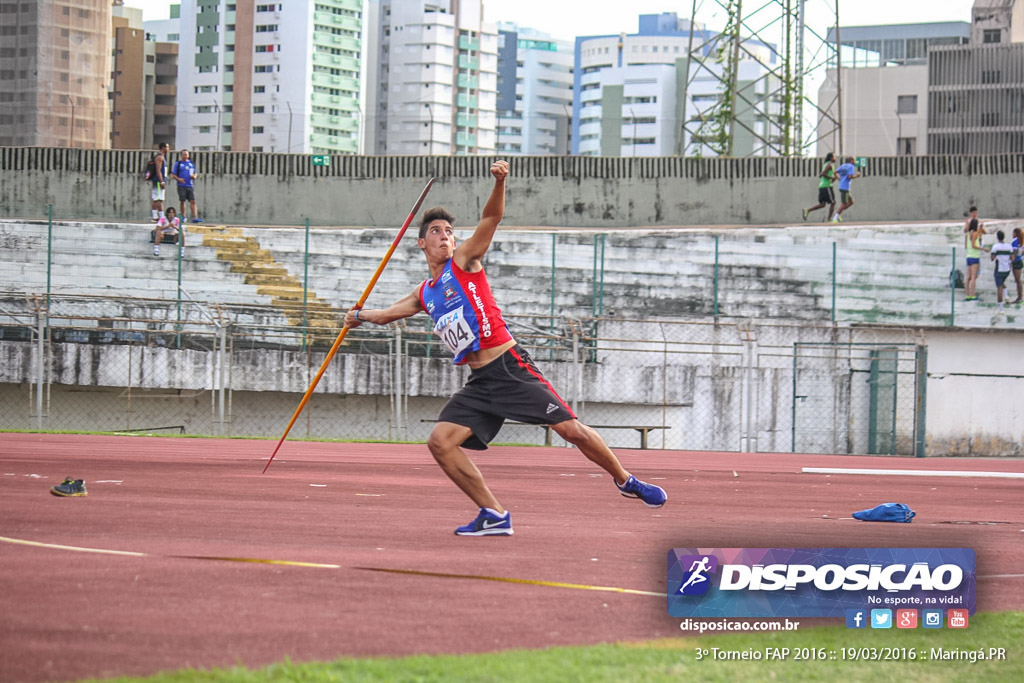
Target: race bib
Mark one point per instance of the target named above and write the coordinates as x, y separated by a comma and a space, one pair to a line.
454, 331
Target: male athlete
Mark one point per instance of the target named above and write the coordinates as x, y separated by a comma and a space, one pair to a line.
504, 384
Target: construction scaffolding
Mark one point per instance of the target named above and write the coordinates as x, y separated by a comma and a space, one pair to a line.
768, 60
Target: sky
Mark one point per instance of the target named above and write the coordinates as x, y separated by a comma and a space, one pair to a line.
570, 18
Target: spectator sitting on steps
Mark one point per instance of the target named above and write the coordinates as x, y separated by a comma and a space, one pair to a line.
167, 225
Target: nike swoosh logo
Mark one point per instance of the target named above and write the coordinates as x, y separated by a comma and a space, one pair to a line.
490, 525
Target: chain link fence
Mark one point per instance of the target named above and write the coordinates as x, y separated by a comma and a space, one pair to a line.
123, 364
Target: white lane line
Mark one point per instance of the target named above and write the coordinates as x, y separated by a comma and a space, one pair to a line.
914, 473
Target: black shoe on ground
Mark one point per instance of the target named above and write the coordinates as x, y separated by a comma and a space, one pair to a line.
69, 487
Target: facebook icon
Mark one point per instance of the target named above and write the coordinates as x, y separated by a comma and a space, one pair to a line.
856, 618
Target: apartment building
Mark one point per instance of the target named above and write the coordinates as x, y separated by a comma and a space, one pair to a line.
270, 76
432, 71
55, 72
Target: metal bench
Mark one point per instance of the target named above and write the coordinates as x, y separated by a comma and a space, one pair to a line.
548, 431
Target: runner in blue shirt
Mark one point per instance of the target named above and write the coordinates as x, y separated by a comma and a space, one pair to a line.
847, 172
184, 172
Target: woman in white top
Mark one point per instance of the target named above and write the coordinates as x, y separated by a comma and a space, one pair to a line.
169, 224
1002, 253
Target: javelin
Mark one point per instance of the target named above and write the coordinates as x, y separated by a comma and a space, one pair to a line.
344, 330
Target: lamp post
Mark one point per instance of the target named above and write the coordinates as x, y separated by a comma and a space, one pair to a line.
899, 133
289, 105
71, 101
430, 111
216, 136
633, 115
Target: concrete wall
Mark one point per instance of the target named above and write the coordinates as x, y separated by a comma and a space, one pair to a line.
974, 393
263, 189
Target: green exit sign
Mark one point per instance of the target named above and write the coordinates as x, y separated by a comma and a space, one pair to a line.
862, 162
321, 160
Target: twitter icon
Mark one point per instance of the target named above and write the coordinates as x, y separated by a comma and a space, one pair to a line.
881, 618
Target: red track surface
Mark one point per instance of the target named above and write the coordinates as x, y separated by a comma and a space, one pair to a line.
72, 614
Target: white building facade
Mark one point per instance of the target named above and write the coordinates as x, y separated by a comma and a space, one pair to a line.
432, 70
639, 95
270, 77
534, 92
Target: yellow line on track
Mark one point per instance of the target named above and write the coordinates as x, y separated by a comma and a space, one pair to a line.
316, 565
505, 579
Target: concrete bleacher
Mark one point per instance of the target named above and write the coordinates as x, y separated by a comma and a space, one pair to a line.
893, 274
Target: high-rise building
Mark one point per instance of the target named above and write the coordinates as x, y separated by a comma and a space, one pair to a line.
934, 88
976, 91
638, 94
143, 90
534, 92
884, 88
54, 72
432, 76
270, 77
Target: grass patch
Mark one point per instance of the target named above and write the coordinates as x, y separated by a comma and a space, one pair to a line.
675, 659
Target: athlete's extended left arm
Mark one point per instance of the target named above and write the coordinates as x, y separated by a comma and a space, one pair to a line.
475, 246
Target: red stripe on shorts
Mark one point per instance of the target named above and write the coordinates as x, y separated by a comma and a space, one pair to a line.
523, 364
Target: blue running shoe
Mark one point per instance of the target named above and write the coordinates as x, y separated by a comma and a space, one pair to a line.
652, 496
488, 523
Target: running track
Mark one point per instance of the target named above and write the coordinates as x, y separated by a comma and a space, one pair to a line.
68, 614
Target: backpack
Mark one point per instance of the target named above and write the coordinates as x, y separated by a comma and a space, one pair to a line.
150, 172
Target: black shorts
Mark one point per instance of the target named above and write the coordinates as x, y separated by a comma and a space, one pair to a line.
508, 388
1001, 277
186, 194
846, 196
826, 196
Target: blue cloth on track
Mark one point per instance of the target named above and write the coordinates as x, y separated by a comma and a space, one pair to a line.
886, 512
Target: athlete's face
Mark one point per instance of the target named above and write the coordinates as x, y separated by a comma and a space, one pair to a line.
439, 239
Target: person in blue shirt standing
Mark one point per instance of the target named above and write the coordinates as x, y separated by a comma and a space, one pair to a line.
184, 171
847, 172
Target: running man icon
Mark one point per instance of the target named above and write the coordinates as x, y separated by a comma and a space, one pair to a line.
698, 575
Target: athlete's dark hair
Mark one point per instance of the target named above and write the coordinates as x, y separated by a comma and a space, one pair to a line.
1000, 235
830, 157
973, 208
973, 225
434, 214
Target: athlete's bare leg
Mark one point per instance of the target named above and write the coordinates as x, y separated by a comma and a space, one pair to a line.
444, 444
593, 446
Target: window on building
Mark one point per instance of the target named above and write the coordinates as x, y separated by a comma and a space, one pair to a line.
992, 35
906, 104
917, 48
993, 76
259, 88
256, 130
258, 109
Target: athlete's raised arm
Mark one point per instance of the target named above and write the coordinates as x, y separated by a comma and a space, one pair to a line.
469, 253
406, 307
